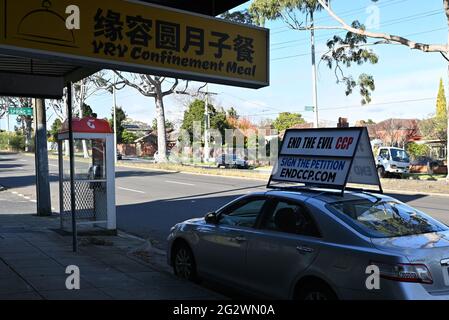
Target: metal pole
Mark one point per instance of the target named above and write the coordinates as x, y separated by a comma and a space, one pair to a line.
41, 159
314, 76
114, 102
206, 126
72, 166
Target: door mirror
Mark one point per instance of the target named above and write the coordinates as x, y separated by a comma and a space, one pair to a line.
211, 218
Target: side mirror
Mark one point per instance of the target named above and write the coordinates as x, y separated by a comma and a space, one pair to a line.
211, 218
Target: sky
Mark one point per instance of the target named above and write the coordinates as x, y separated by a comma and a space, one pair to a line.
406, 80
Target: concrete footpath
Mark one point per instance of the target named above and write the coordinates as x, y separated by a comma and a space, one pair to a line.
34, 256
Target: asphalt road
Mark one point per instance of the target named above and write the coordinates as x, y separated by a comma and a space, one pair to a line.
150, 202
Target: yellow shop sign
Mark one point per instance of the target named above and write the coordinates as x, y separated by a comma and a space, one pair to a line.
138, 37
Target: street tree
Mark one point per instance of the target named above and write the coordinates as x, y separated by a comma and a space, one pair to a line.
287, 120
155, 87
120, 117
441, 111
435, 127
128, 137
25, 123
195, 113
354, 48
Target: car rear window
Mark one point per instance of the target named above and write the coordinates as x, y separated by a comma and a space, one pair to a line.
385, 219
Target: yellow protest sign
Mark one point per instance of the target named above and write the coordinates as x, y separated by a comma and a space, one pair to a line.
138, 37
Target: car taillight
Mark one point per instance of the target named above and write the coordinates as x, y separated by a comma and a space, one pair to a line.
404, 272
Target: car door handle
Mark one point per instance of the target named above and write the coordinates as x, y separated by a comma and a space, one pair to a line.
239, 239
303, 249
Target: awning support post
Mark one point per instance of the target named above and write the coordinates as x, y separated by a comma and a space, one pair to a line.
72, 165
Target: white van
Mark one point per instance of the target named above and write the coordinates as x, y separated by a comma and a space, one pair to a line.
393, 161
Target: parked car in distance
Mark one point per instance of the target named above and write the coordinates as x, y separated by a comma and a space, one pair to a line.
392, 161
231, 161
315, 245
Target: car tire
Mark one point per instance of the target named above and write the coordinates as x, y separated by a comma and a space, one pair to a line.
381, 172
315, 291
184, 265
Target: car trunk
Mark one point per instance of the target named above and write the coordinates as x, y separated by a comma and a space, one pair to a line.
431, 249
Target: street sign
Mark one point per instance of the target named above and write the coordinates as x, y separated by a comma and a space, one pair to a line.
138, 37
17, 111
326, 157
309, 108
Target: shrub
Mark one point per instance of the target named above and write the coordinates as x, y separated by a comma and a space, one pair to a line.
12, 141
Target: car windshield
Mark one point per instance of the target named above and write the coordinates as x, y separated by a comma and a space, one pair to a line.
399, 155
385, 219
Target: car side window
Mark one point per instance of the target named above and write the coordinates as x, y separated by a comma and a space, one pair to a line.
384, 153
242, 214
290, 217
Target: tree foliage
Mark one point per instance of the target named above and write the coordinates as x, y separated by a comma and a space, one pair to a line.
120, 116
128, 137
417, 150
55, 129
343, 51
441, 111
238, 16
287, 120
196, 113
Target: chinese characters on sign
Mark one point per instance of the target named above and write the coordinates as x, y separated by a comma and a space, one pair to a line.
143, 38
120, 35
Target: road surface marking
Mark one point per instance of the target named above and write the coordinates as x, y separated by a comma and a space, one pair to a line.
181, 183
132, 190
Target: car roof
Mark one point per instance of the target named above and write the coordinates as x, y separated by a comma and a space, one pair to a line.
326, 195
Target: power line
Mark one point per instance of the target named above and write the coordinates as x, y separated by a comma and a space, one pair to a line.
386, 24
344, 14
308, 53
356, 106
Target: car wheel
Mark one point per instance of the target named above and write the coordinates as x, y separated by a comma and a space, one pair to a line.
184, 264
315, 292
381, 172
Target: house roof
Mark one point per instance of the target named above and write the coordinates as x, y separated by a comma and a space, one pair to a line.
172, 136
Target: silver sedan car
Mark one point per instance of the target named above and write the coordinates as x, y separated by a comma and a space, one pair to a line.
315, 244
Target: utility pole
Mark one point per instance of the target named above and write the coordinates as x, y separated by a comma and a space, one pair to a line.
114, 106
207, 122
206, 126
41, 159
314, 76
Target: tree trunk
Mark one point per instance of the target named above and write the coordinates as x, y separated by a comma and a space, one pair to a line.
161, 131
28, 130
